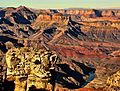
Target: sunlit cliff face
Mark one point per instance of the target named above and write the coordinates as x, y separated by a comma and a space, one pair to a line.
31, 65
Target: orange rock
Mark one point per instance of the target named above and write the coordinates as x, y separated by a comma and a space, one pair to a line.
84, 89
107, 13
44, 17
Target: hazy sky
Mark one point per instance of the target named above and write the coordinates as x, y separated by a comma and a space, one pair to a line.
61, 3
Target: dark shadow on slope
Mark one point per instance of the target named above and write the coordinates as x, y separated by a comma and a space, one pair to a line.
75, 31
31, 31
3, 47
9, 32
52, 81
49, 33
33, 88
73, 22
4, 39
23, 33
9, 85
87, 70
50, 30
2, 13
20, 19
53, 11
63, 77
97, 13
5, 21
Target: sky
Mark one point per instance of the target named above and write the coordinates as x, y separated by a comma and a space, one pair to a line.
53, 4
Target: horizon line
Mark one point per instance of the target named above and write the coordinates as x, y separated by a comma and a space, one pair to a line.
61, 8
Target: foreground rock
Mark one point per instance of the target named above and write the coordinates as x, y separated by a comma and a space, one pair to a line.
30, 68
114, 80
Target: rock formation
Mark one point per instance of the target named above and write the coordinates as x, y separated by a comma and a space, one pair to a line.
89, 36
114, 80
30, 67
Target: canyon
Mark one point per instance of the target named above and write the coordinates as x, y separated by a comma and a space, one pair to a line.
86, 40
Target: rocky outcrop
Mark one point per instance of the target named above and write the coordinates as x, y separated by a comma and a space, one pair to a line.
110, 13
92, 12
115, 53
5, 21
35, 72
18, 18
50, 20
2, 13
59, 17
27, 13
117, 13
114, 80
44, 17
52, 17
107, 13
9, 10
82, 12
22, 14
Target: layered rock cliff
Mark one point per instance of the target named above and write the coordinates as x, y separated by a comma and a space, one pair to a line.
90, 37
